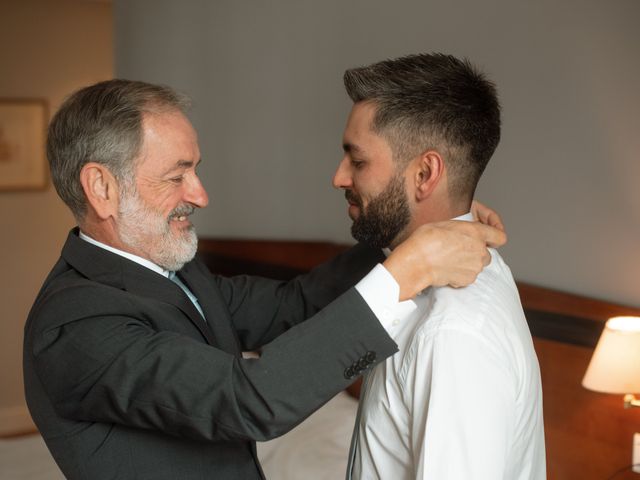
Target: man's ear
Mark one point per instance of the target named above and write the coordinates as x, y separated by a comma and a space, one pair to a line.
101, 189
428, 174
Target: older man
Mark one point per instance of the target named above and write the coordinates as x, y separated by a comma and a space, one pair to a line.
462, 399
132, 358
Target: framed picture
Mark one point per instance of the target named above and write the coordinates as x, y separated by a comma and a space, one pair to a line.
22, 144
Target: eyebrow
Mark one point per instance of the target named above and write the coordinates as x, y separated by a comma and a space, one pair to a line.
351, 148
180, 165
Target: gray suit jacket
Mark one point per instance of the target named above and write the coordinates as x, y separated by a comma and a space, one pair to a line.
125, 380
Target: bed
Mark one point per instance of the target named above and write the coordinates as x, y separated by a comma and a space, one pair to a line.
588, 435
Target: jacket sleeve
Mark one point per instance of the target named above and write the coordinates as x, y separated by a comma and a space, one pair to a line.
106, 364
261, 309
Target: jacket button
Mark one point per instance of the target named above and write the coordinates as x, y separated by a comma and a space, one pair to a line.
370, 356
348, 373
363, 364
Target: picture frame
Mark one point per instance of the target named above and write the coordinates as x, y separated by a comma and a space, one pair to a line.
22, 144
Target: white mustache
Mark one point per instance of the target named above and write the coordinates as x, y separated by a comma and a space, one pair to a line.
181, 211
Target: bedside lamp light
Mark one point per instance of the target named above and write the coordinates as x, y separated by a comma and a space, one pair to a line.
615, 364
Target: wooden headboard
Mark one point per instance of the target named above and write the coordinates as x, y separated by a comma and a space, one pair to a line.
588, 435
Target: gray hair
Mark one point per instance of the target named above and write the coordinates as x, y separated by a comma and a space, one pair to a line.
433, 101
102, 123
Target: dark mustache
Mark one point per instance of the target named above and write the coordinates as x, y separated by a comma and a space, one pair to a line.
352, 197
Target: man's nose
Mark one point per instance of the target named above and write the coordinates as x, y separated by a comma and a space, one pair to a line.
195, 193
342, 177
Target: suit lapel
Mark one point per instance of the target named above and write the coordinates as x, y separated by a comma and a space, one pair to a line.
153, 285
109, 268
218, 317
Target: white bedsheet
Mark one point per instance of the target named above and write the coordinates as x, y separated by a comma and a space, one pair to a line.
317, 449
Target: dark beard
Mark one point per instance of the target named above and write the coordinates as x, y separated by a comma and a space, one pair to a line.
385, 216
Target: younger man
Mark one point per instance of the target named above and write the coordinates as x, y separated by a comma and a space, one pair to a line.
462, 399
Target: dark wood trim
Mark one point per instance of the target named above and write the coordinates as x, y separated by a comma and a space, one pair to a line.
566, 317
552, 314
299, 254
564, 328
19, 433
548, 300
281, 259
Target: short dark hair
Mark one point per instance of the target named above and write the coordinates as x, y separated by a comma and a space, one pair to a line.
433, 101
102, 123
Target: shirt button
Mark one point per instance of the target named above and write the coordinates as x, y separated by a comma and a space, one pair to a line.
395, 322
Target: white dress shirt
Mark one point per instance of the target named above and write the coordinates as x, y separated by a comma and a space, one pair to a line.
462, 399
129, 256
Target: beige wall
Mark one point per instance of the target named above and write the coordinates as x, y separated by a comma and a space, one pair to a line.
270, 108
47, 49
266, 78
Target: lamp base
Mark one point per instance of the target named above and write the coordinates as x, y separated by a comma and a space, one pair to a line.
635, 460
631, 401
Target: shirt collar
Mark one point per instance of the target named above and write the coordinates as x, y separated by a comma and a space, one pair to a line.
467, 217
129, 256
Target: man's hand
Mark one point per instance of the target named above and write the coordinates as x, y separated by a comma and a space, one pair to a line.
445, 253
485, 215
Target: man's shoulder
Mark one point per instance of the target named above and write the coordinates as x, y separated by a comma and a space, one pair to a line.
67, 295
491, 304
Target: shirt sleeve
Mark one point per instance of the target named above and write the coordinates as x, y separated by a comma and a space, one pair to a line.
381, 293
462, 399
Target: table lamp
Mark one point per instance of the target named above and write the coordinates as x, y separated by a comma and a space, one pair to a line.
615, 364
615, 367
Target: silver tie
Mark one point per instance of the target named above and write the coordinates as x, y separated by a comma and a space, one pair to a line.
175, 279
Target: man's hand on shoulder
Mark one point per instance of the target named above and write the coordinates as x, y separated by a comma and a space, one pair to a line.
484, 214
444, 253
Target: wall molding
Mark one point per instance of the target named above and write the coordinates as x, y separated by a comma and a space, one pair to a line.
15, 420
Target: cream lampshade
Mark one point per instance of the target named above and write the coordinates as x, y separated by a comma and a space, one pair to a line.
615, 364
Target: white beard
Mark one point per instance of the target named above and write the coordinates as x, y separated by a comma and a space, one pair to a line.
145, 230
